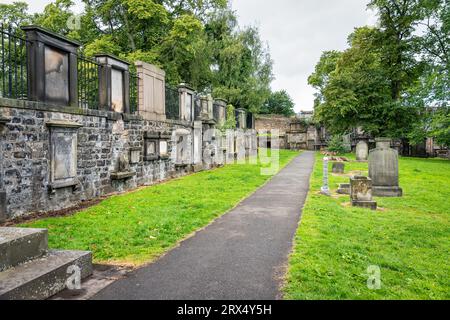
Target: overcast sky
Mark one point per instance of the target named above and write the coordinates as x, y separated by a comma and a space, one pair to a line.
297, 32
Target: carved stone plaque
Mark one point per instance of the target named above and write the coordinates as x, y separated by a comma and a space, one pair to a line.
56, 76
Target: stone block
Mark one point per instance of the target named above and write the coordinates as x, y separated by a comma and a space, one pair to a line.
344, 188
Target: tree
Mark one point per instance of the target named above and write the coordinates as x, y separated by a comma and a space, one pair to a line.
15, 14
279, 103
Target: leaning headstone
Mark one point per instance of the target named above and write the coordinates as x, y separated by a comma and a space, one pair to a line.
344, 188
338, 167
325, 190
383, 170
361, 192
362, 151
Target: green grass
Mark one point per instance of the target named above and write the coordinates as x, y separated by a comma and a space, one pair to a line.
409, 239
137, 227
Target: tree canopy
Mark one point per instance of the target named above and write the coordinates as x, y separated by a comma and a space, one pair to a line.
279, 103
393, 80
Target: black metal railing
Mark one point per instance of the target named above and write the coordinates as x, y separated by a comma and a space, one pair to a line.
172, 103
134, 94
88, 83
13, 64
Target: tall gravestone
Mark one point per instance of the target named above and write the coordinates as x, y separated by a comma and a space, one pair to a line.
362, 151
383, 169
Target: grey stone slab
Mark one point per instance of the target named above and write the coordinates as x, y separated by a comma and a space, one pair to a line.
19, 245
43, 277
242, 255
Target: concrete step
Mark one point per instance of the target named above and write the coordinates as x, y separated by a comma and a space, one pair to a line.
19, 245
43, 277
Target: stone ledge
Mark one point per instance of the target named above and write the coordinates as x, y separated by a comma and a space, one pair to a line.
63, 124
122, 175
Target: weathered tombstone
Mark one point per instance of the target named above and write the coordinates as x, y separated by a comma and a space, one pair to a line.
338, 167
325, 189
362, 151
361, 192
383, 170
344, 188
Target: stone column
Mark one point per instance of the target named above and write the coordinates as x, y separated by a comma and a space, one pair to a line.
383, 169
198, 143
52, 67
325, 189
152, 93
113, 83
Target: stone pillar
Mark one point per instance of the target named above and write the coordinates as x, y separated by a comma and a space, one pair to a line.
52, 67
222, 111
113, 83
187, 111
383, 169
361, 192
325, 189
152, 93
362, 151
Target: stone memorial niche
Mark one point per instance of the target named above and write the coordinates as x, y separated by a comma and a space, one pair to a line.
362, 151
241, 119
151, 146
198, 143
186, 102
165, 138
52, 67
135, 155
338, 167
123, 170
3, 215
361, 192
383, 169
114, 84
182, 155
63, 154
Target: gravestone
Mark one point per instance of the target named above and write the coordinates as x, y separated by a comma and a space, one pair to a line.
383, 170
362, 151
338, 167
361, 192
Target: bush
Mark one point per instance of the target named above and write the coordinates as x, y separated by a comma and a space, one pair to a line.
336, 144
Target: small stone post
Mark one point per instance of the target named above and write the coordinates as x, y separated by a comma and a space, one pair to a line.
325, 189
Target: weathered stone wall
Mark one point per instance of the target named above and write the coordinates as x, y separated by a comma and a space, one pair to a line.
102, 137
272, 122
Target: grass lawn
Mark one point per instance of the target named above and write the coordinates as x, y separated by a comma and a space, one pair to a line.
408, 239
137, 227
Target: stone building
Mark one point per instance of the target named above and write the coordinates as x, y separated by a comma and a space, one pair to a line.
74, 129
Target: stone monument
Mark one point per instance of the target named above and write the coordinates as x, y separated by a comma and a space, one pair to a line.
383, 169
361, 192
362, 151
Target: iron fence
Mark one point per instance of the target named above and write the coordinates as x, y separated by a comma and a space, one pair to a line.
88, 83
14, 64
172, 103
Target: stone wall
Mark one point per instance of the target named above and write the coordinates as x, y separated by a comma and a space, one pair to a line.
272, 122
101, 138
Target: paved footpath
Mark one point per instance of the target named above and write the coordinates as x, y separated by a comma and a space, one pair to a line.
242, 255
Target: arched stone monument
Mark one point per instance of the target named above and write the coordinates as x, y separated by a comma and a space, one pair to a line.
383, 169
362, 151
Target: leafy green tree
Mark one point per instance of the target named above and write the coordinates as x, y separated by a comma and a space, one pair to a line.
15, 14
279, 103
